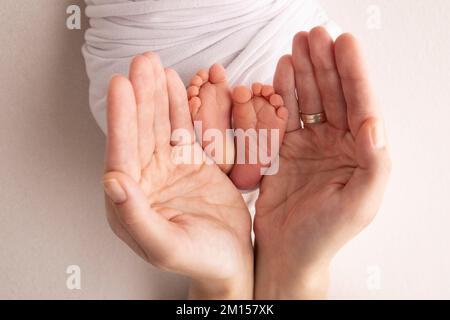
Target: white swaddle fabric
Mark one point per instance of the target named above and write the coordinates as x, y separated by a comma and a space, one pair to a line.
246, 36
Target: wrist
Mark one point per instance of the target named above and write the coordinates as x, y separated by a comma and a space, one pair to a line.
305, 283
238, 288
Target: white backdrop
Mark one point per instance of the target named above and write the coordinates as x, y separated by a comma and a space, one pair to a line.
51, 209
405, 252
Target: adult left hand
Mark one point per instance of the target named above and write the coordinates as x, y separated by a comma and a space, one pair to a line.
332, 175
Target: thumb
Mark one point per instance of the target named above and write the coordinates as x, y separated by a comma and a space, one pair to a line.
147, 228
372, 148
366, 187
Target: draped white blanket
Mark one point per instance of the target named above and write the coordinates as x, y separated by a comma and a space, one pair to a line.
246, 36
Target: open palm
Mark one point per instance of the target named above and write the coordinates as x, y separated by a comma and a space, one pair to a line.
331, 176
186, 218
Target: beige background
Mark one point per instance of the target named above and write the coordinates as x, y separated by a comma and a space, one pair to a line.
51, 209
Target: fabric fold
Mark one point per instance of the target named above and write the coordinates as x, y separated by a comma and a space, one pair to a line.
246, 36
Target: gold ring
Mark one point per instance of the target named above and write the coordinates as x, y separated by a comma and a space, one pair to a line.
315, 118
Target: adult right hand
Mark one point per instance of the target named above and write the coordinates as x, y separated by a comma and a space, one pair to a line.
184, 218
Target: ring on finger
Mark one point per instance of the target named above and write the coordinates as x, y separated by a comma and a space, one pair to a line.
315, 118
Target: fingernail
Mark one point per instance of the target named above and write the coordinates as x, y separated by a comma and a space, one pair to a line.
378, 136
115, 191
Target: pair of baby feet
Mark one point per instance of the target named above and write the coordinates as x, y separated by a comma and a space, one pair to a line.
252, 123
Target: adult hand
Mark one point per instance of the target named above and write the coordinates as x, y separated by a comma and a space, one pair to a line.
184, 218
332, 175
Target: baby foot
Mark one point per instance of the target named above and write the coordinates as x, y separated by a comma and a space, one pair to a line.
210, 106
257, 110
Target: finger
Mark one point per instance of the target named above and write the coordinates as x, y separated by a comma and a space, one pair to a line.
307, 89
322, 56
141, 76
366, 187
361, 104
161, 127
284, 84
122, 152
153, 233
180, 116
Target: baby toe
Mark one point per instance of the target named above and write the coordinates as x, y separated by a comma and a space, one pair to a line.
283, 113
217, 74
276, 100
257, 88
193, 91
267, 91
242, 95
194, 105
196, 81
203, 75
